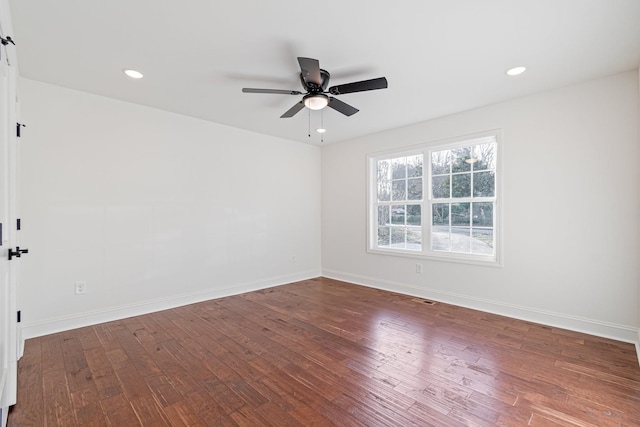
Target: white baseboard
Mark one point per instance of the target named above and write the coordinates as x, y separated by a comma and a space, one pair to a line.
50, 326
614, 331
638, 346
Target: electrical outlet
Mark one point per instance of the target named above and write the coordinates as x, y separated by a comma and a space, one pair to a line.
293, 259
419, 268
81, 287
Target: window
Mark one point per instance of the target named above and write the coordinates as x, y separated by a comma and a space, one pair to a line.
437, 200
399, 202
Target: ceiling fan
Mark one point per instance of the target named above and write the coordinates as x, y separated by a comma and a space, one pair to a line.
315, 81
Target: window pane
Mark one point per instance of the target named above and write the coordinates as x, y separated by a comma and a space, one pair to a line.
414, 188
383, 236
461, 239
485, 156
414, 216
482, 241
440, 240
484, 184
440, 162
399, 190
482, 214
397, 214
399, 168
384, 167
414, 238
440, 214
460, 214
459, 158
441, 186
461, 185
414, 166
384, 191
383, 215
398, 237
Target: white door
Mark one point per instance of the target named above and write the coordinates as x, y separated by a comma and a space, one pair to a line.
5, 306
8, 210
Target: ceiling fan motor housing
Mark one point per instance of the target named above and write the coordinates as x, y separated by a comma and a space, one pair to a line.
312, 87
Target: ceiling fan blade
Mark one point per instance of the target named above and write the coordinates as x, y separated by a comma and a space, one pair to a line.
278, 91
373, 84
342, 107
293, 110
310, 70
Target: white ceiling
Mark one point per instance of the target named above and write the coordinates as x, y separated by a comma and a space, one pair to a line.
439, 56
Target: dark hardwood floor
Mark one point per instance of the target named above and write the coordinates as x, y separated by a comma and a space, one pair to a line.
323, 352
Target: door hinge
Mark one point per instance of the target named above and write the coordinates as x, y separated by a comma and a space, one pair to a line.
18, 126
0, 234
19, 316
5, 41
18, 224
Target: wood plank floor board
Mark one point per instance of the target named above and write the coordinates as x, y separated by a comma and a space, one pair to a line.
433, 416
222, 394
183, 414
85, 397
149, 412
58, 409
491, 391
88, 338
32, 354
325, 353
102, 365
368, 413
52, 357
118, 411
31, 398
604, 414
307, 416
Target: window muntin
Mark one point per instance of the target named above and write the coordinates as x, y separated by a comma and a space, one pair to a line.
437, 200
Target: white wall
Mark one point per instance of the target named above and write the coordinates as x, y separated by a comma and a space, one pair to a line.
154, 209
570, 201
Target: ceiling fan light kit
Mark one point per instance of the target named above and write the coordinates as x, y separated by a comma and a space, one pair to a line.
316, 102
315, 81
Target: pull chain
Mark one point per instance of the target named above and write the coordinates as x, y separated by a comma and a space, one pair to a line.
322, 125
309, 123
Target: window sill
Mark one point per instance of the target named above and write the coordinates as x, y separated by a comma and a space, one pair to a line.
487, 261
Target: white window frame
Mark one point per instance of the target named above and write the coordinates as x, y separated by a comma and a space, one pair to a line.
426, 149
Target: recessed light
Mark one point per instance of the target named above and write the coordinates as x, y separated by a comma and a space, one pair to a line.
134, 74
321, 130
515, 71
